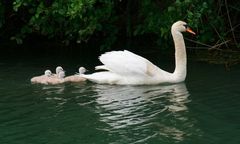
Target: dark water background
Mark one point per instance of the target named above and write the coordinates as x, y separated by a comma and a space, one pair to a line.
205, 109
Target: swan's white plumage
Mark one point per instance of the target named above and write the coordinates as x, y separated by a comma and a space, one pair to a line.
124, 63
124, 67
127, 63
127, 68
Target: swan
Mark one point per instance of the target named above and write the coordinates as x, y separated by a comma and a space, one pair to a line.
77, 77
56, 80
43, 78
127, 68
58, 69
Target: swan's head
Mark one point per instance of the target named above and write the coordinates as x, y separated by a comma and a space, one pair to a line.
47, 73
61, 74
59, 69
82, 70
182, 26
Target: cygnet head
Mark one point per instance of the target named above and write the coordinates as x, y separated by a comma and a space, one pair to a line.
47, 73
181, 26
82, 70
61, 74
59, 69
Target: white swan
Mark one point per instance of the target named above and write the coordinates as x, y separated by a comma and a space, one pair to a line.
76, 77
56, 80
43, 78
58, 70
127, 68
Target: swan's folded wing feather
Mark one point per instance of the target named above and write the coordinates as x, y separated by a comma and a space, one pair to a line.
127, 63
101, 67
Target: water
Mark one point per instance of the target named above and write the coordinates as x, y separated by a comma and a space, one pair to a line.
203, 109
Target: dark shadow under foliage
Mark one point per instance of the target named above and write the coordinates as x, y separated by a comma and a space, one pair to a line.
60, 27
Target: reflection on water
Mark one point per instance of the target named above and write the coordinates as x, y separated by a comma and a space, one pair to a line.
206, 111
140, 113
53, 89
52, 93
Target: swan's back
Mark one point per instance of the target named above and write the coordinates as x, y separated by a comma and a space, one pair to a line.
127, 63
124, 67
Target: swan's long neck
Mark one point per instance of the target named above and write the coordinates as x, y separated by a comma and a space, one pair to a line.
180, 71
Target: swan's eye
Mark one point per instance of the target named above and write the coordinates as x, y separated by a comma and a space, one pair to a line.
185, 25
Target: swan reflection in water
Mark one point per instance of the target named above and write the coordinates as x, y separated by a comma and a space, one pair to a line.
54, 94
145, 112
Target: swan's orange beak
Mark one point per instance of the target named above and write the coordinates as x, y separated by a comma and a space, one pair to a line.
190, 31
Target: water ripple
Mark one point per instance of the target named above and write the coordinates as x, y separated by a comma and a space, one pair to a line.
140, 108
206, 111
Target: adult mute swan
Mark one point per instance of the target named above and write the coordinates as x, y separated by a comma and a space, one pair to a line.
43, 78
127, 68
76, 77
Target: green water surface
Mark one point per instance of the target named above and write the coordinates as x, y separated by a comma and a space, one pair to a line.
205, 109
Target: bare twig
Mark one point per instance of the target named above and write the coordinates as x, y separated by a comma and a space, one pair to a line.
220, 37
220, 8
198, 48
233, 28
217, 45
209, 46
230, 23
235, 8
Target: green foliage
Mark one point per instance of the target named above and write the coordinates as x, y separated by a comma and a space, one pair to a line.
105, 20
69, 20
199, 14
1, 14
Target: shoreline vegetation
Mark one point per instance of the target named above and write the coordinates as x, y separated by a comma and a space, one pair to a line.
96, 26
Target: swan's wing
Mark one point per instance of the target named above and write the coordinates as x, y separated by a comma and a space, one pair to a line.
101, 67
128, 63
